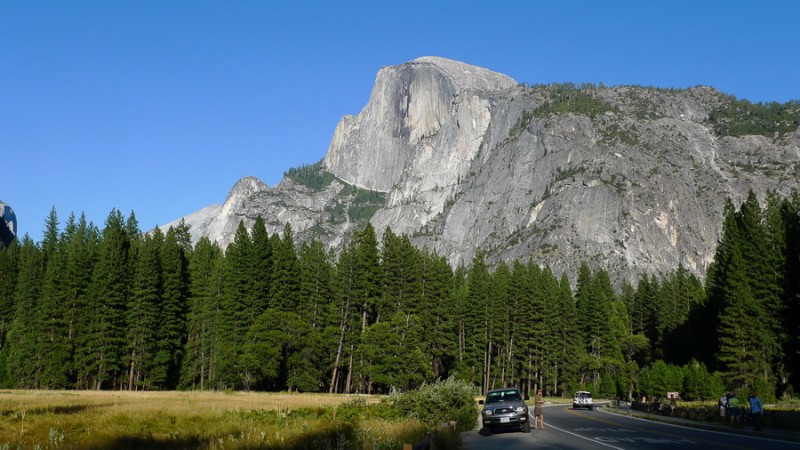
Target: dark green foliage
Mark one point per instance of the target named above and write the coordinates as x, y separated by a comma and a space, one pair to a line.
8, 281
285, 284
742, 118
203, 316
143, 317
312, 175
699, 383
660, 378
24, 331
173, 307
118, 309
365, 204
391, 355
571, 98
434, 404
101, 340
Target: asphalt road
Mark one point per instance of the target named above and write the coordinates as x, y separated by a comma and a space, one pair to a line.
566, 428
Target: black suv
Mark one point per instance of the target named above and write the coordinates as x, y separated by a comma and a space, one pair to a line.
505, 408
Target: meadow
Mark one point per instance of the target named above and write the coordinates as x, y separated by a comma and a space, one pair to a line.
32, 419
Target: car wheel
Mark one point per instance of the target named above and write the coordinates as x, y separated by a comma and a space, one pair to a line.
590, 408
526, 427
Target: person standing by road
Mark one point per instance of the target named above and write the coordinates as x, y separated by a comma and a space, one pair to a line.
538, 416
755, 410
733, 408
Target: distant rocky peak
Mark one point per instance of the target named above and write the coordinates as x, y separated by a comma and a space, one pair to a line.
427, 109
466, 76
247, 186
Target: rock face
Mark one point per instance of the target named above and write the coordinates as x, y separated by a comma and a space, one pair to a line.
460, 158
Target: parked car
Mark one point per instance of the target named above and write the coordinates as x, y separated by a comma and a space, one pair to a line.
582, 399
505, 408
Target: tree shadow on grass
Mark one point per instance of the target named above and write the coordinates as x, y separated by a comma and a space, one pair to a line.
343, 436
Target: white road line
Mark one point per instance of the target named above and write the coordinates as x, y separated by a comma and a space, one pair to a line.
688, 427
582, 437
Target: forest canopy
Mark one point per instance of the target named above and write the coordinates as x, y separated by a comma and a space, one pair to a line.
116, 308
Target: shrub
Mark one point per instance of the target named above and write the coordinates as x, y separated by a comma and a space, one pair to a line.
441, 402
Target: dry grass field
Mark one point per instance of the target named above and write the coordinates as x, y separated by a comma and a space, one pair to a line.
184, 420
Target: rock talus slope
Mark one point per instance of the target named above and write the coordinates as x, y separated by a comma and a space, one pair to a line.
460, 158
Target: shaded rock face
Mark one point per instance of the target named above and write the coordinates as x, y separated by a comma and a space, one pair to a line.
466, 159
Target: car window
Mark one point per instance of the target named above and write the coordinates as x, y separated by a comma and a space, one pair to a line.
513, 396
503, 396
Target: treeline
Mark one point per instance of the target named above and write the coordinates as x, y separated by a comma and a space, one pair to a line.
120, 309
741, 118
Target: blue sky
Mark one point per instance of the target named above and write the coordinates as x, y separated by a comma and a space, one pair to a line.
159, 107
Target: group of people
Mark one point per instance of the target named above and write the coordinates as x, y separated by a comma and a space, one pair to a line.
730, 408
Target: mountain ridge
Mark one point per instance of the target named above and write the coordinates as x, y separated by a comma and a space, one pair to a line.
461, 158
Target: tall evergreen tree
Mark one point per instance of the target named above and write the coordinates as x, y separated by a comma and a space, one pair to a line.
572, 347
553, 322
174, 305
400, 274
203, 317
23, 336
790, 212
501, 343
143, 321
51, 312
367, 277
477, 354
285, 288
8, 281
237, 312
437, 309
345, 321
82, 242
261, 265
102, 335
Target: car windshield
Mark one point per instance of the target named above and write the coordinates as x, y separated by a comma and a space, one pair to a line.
503, 396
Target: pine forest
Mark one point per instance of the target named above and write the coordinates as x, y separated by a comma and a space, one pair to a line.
119, 309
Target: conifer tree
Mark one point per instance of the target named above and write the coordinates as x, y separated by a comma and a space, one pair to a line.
51, 312
261, 265
437, 311
551, 328
500, 330
82, 242
23, 336
316, 292
391, 354
102, 335
400, 274
526, 325
367, 276
572, 347
237, 311
345, 321
203, 317
477, 352
8, 281
285, 287
143, 321
173, 310
790, 212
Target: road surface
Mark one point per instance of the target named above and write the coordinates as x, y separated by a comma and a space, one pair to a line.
566, 428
